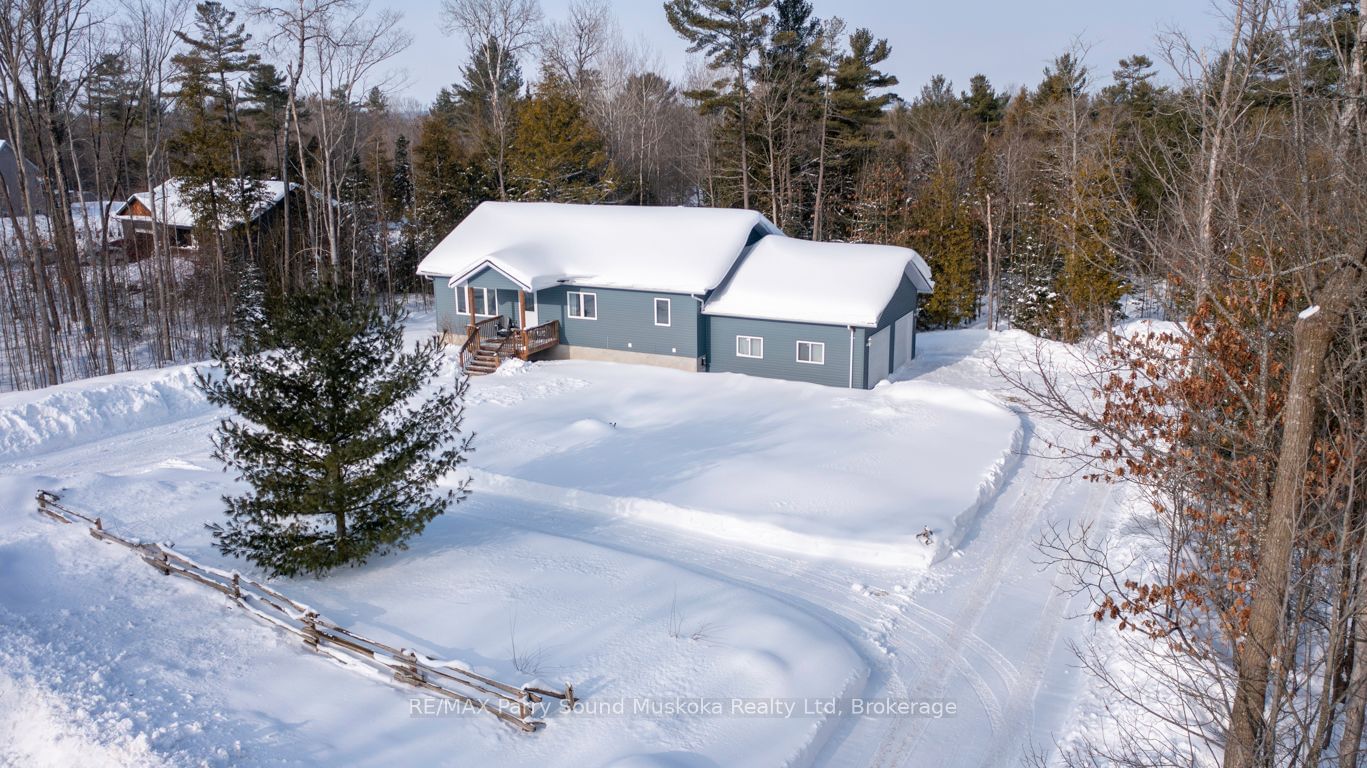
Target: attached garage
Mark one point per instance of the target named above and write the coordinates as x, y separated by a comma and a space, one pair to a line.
839, 314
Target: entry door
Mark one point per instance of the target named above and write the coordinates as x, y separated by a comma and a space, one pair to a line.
506, 301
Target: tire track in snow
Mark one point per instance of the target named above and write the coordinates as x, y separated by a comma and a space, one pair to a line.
1006, 745
934, 681
870, 624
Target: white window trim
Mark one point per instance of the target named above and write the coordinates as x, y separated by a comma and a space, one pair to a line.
482, 302
752, 340
798, 352
669, 312
569, 305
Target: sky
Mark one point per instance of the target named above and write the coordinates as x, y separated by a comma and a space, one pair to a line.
1008, 40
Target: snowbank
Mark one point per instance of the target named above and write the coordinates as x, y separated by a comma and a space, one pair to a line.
54, 418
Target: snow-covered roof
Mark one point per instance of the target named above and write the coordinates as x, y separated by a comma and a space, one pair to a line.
539, 245
784, 278
169, 207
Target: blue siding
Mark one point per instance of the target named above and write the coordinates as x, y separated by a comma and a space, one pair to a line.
902, 302
505, 298
444, 303
626, 321
490, 278
780, 350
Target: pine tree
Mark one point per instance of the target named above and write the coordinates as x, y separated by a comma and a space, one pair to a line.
337, 434
983, 102
214, 61
858, 98
487, 100
729, 33
558, 155
1066, 78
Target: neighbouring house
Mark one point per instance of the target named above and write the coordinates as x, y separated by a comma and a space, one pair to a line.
699, 289
166, 208
12, 201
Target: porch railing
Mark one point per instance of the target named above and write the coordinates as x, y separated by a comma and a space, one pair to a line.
538, 338
476, 335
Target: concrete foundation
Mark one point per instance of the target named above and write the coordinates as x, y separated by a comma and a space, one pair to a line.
567, 352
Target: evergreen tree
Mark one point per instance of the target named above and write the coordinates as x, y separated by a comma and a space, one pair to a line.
1066, 78
208, 153
729, 33
858, 98
558, 154
335, 432
942, 230
265, 97
1088, 282
400, 181
447, 181
788, 88
487, 102
985, 104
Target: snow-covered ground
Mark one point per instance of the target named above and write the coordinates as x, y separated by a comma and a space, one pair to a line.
648, 535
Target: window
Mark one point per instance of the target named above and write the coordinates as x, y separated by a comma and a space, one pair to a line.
484, 301
529, 300
813, 352
662, 311
583, 306
749, 346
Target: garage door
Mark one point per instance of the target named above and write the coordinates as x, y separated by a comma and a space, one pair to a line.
878, 355
903, 337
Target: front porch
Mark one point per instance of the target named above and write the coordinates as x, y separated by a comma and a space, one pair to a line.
492, 339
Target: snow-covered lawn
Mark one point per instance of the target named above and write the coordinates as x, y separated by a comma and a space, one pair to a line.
133, 665
803, 468
644, 534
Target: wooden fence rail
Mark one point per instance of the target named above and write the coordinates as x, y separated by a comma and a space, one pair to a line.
511, 704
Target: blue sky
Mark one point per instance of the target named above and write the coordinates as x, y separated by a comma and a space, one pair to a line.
1008, 41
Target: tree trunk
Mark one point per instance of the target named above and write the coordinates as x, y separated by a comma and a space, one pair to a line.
1249, 741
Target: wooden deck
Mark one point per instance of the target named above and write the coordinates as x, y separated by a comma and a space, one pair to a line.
487, 345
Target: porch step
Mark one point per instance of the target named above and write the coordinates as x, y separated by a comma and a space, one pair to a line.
483, 363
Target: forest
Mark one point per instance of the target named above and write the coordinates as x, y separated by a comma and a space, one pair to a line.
1219, 184
1040, 207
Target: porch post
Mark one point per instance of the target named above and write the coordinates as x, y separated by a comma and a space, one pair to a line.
470, 303
522, 310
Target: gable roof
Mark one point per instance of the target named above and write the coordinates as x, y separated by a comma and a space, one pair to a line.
539, 245
11, 194
169, 207
784, 278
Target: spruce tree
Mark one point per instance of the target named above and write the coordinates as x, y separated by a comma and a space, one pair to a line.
337, 432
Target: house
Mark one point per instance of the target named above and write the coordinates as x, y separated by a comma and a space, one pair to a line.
698, 289
12, 192
166, 207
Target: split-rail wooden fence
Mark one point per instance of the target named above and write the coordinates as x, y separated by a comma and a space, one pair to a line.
515, 705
